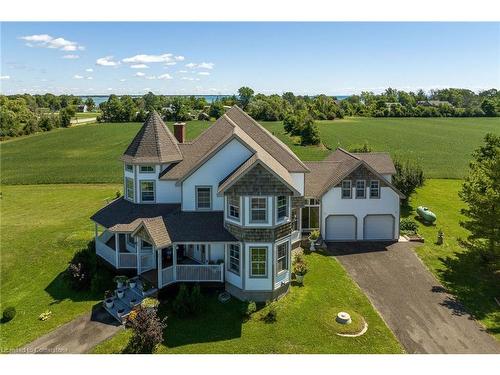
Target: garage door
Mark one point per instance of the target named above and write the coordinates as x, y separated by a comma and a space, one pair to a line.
379, 227
340, 228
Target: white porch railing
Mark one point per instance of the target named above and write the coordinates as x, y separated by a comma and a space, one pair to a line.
200, 272
167, 276
147, 262
127, 260
105, 252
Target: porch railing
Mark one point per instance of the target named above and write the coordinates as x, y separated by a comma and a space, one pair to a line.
105, 252
127, 260
167, 276
200, 272
147, 262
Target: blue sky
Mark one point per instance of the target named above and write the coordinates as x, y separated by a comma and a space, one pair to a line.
218, 58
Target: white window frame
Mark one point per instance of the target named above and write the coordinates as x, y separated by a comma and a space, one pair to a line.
127, 195
129, 168
147, 171
310, 203
154, 191
377, 188
146, 247
287, 209
130, 239
264, 262
358, 189
251, 209
198, 208
286, 257
229, 205
232, 260
344, 188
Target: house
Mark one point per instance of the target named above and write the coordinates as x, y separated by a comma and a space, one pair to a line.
81, 108
230, 205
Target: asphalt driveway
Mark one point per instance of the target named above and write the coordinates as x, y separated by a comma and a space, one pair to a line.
424, 318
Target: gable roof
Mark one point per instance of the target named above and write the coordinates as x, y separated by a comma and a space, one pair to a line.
155, 227
328, 173
235, 123
379, 161
154, 143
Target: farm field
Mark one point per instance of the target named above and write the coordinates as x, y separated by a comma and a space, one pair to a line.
90, 153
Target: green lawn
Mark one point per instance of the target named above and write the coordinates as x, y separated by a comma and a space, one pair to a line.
90, 153
42, 226
87, 114
303, 326
456, 268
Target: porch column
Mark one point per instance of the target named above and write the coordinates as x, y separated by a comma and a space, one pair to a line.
138, 254
160, 281
174, 260
117, 249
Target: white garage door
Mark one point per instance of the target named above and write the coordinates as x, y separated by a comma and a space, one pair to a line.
340, 228
379, 227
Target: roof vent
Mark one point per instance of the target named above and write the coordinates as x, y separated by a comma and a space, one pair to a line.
180, 131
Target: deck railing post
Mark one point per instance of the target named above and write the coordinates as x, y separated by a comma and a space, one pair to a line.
174, 259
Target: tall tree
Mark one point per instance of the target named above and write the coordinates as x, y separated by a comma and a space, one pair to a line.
89, 102
245, 94
481, 193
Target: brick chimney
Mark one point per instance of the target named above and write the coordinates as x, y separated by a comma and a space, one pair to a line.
180, 131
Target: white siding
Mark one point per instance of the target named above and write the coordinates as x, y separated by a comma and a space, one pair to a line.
298, 182
212, 172
165, 191
333, 204
216, 252
260, 283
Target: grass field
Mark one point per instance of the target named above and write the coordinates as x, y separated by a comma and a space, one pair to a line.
86, 114
90, 153
42, 227
457, 269
303, 325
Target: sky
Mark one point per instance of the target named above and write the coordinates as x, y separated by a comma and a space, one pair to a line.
86, 58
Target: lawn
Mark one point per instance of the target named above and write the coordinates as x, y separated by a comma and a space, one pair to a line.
42, 226
87, 114
303, 325
450, 263
90, 153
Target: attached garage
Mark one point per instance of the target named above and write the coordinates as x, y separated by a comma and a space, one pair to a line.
340, 228
378, 227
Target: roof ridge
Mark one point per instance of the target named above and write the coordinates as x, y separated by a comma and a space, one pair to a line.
348, 153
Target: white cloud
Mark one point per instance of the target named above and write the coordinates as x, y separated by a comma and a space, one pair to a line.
139, 74
77, 76
71, 57
110, 89
4, 77
165, 76
90, 77
47, 41
139, 66
142, 59
122, 80
183, 71
150, 77
204, 73
190, 79
107, 61
203, 65
171, 63
90, 70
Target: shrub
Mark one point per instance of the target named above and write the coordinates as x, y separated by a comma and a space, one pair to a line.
314, 235
364, 148
300, 268
408, 225
149, 303
310, 133
271, 315
147, 330
8, 314
249, 308
187, 302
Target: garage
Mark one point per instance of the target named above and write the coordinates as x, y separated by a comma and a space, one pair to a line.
378, 227
340, 228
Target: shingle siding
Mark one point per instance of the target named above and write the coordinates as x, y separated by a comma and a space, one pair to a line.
258, 181
246, 234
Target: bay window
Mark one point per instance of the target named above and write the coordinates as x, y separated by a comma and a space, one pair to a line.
147, 191
129, 188
282, 207
233, 207
258, 262
258, 210
282, 257
147, 169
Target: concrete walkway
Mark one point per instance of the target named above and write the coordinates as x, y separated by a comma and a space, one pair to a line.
76, 337
422, 315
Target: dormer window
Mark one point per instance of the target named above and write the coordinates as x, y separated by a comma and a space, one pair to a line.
360, 189
233, 207
375, 189
129, 167
147, 169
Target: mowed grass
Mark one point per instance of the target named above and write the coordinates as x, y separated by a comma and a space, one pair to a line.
303, 324
458, 270
90, 153
42, 227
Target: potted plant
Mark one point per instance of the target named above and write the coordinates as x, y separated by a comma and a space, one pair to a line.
120, 312
133, 302
120, 281
108, 299
313, 237
120, 293
300, 269
146, 286
132, 283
